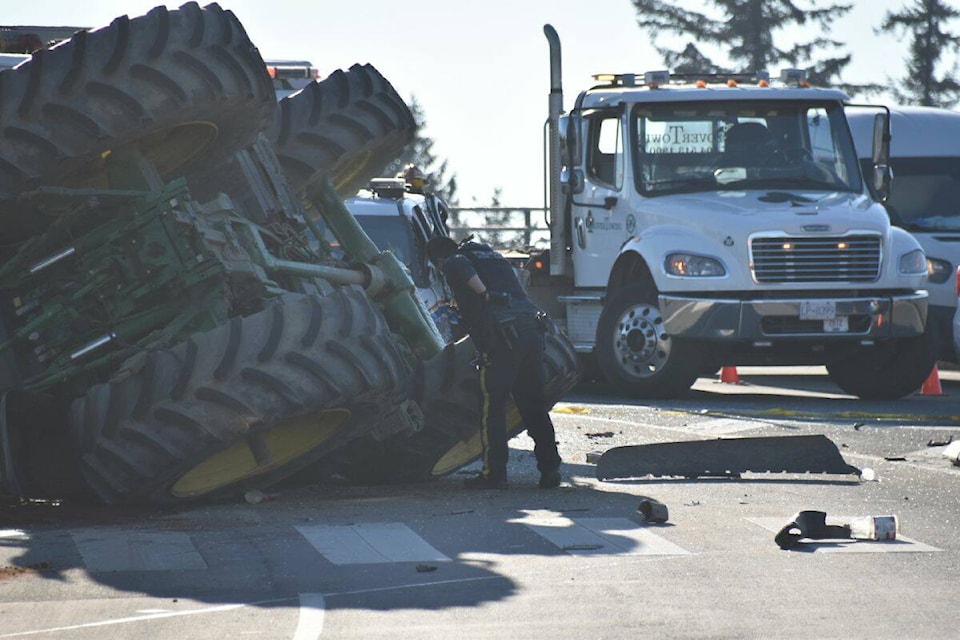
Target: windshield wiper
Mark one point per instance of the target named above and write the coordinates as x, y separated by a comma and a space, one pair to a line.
797, 182
680, 185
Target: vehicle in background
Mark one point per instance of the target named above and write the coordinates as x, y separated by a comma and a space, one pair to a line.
10, 60
924, 198
402, 222
955, 323
290, 76
699, 221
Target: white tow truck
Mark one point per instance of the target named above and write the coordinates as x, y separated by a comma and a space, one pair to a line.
704, 221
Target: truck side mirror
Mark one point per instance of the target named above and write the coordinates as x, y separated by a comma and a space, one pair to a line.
882, 174
570, 140
572, 181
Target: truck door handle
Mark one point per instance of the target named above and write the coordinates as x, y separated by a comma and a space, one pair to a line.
581, 234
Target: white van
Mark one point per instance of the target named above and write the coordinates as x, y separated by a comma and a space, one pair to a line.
924, 198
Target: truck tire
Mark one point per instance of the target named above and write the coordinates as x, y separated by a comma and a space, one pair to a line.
448, 391
244, 405
349, 127
181, 86
636, 354
888, 370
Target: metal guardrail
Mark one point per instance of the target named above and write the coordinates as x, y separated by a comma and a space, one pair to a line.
513, 227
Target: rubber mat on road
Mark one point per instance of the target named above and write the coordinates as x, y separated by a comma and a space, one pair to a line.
724, 457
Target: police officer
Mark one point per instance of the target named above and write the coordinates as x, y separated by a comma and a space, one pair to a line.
508, 331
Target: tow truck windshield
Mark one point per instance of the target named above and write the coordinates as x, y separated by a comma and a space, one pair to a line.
684, 147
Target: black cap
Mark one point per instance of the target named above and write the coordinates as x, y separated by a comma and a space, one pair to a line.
440, 248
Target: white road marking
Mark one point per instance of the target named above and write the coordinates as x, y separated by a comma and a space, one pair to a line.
113, 621
12, 533
134, 550
370, 543
310, 622
902, 544
722, 426
229, 607
629, 423
601, 536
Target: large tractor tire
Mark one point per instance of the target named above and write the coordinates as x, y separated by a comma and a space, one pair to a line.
244, 405
349, 127
182, 87
635, 352
448, 391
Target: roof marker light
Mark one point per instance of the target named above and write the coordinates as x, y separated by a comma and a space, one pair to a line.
793, 76
655, 78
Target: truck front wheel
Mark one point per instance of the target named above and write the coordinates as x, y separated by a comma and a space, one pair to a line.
636, 353
888, 370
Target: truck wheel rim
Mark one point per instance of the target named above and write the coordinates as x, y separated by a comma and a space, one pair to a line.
640, 344
269, 449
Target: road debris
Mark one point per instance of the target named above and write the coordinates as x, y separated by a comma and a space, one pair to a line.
725, 457
652, 511
952, 452
811, 525
255, 496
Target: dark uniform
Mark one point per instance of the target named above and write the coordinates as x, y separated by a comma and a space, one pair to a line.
508, 331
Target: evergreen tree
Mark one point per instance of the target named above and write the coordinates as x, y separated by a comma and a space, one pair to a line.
743, 31
925, 21
420, 152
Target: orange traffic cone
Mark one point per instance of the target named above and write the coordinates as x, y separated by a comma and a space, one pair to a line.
931, 386
729, 375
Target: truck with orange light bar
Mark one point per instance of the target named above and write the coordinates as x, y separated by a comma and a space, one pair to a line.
700, 221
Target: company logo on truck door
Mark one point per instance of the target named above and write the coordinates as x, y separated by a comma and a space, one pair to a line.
602, 225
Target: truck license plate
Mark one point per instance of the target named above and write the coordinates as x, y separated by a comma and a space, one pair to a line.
818, 309
836, 325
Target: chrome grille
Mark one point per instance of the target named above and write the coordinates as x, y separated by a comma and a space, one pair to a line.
854, 258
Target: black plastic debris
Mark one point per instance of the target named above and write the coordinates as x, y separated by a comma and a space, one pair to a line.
725, 457
811, 525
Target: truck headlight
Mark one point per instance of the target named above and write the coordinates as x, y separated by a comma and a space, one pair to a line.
689, 265
938, 270
913, 263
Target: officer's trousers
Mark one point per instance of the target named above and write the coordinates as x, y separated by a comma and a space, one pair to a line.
516, 369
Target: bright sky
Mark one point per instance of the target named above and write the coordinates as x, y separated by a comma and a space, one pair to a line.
480, 70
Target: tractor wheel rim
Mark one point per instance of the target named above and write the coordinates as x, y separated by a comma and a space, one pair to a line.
260, 453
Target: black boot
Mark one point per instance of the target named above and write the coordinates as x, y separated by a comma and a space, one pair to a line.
550, 479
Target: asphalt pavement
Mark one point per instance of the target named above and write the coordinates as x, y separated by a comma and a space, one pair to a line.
433, 560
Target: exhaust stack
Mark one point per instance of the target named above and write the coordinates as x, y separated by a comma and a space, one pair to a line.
557, 212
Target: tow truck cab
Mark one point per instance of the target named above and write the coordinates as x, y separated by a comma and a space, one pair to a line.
702, 221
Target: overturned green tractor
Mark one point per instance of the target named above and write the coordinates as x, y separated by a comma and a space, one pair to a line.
174, 325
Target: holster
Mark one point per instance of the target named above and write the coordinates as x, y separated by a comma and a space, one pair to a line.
506, 331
